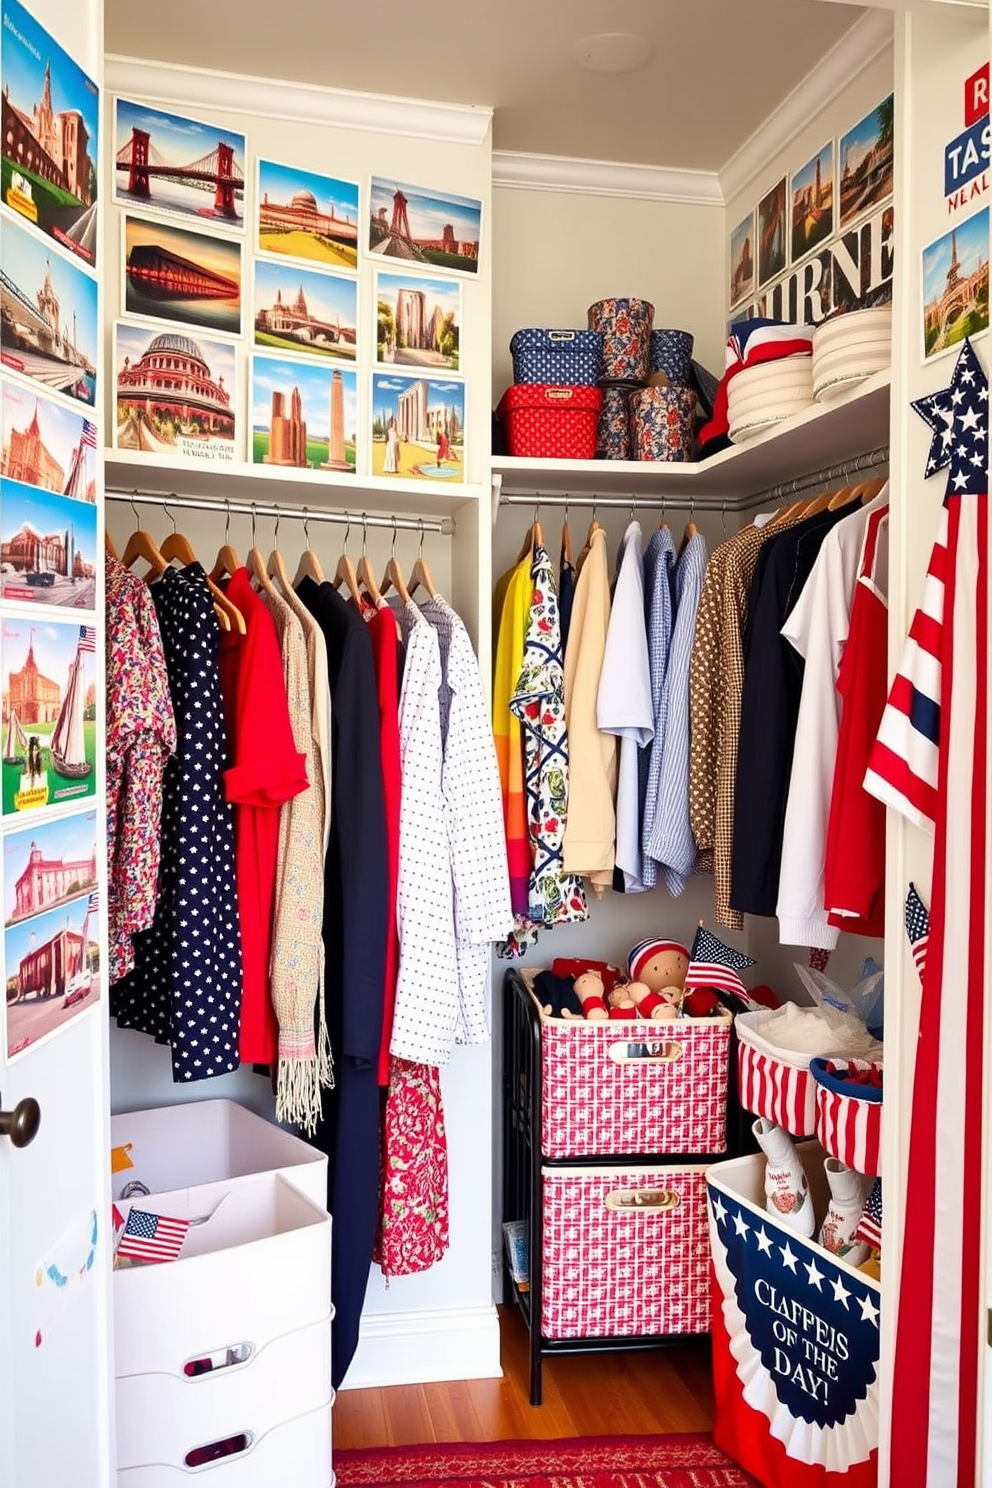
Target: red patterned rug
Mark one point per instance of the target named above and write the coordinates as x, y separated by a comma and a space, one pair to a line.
594, 1462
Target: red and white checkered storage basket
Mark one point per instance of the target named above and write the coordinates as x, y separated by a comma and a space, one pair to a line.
780, 1089
599, 1099
626, 1252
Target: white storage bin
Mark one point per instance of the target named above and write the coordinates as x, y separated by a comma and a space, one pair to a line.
161, 1416
179, 1146
259, 1267
296, 1454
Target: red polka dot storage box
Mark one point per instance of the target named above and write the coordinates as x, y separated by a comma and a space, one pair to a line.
849, 1111
549, 422
774, 1086
625, 1251
633, 1086
563, 358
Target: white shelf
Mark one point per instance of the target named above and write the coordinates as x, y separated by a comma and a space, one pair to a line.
125, 470
822, 435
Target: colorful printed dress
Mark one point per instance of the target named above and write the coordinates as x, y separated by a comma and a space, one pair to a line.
554, 896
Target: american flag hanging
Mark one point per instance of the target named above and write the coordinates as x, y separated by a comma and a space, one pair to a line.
713, 964
94, 904
87, 638
89, 434
917, 928
934, 766
152, 1237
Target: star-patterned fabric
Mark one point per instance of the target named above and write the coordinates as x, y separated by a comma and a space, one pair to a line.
958, 415
185, 988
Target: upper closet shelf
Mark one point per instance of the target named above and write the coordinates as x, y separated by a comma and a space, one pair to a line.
126, 470
823, 435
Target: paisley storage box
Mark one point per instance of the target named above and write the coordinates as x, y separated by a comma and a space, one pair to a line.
548, 422
632, 1086
566, 358
625, 1251
625, 325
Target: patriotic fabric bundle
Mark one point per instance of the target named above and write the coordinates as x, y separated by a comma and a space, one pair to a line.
750, 344
931, 762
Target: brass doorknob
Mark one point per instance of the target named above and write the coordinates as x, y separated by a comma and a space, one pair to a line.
22, 1123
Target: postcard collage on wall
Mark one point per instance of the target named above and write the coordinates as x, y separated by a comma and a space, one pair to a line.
49, 533
243, 333
819, 241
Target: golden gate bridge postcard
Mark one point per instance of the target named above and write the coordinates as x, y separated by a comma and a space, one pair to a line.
48, 172
182, 167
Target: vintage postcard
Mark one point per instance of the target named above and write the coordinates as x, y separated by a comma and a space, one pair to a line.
176, 393
956, 285
48, 330
866, 162
303, 310
301, 214
49, 712
811, 194
47, 547
435, 228
48, 865
303, 414
172, 273
742, 260
169, 163
45, 443
771, 233
48, 169
52, 966
418, 321
418, 427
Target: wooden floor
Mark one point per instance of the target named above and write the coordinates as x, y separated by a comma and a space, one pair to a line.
635, 1392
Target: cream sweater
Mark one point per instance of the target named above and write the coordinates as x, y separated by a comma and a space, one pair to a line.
590, 832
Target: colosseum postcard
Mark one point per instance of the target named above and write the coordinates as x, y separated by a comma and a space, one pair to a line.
48, 171
305, 215
177, 394
424, 226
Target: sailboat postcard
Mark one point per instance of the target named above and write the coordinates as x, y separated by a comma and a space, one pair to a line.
49, 713
52, 965
47, 547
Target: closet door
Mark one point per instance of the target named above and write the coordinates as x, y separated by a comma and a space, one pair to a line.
55, 1269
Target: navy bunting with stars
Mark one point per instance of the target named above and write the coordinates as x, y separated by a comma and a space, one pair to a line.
802, 1334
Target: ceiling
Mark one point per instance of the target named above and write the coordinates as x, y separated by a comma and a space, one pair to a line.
715, 68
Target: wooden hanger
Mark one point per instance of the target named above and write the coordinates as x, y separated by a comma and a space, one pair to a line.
276, 566
227, 558
142, 545
594, 527
364, 572
345, 571
108, 544
393, 573
820, 503
178, 549
566, 539
842, 497
421, 573
871, 489
309, 564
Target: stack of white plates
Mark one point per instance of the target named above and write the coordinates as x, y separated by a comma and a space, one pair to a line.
763, 395
849, 348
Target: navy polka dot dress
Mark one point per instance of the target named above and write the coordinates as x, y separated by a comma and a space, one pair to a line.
185, 988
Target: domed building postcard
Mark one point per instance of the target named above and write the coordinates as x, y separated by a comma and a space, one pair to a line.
176, 393
305, 215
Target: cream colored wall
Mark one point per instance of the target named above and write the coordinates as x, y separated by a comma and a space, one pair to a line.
555, 252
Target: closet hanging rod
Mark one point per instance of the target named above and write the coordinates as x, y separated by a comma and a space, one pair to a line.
680, 501
357, 518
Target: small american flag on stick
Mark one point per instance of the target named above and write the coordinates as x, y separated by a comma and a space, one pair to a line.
713, 964
870, 1225
917, 928
152, 1237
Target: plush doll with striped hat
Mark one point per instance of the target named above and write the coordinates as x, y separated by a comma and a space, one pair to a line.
657, 970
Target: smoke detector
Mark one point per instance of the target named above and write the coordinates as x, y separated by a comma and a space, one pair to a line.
612, 51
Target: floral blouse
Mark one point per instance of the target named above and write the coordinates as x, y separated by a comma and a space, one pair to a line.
141, 735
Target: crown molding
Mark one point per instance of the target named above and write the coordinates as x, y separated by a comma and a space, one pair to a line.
527, 172
853, 53
238, 93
